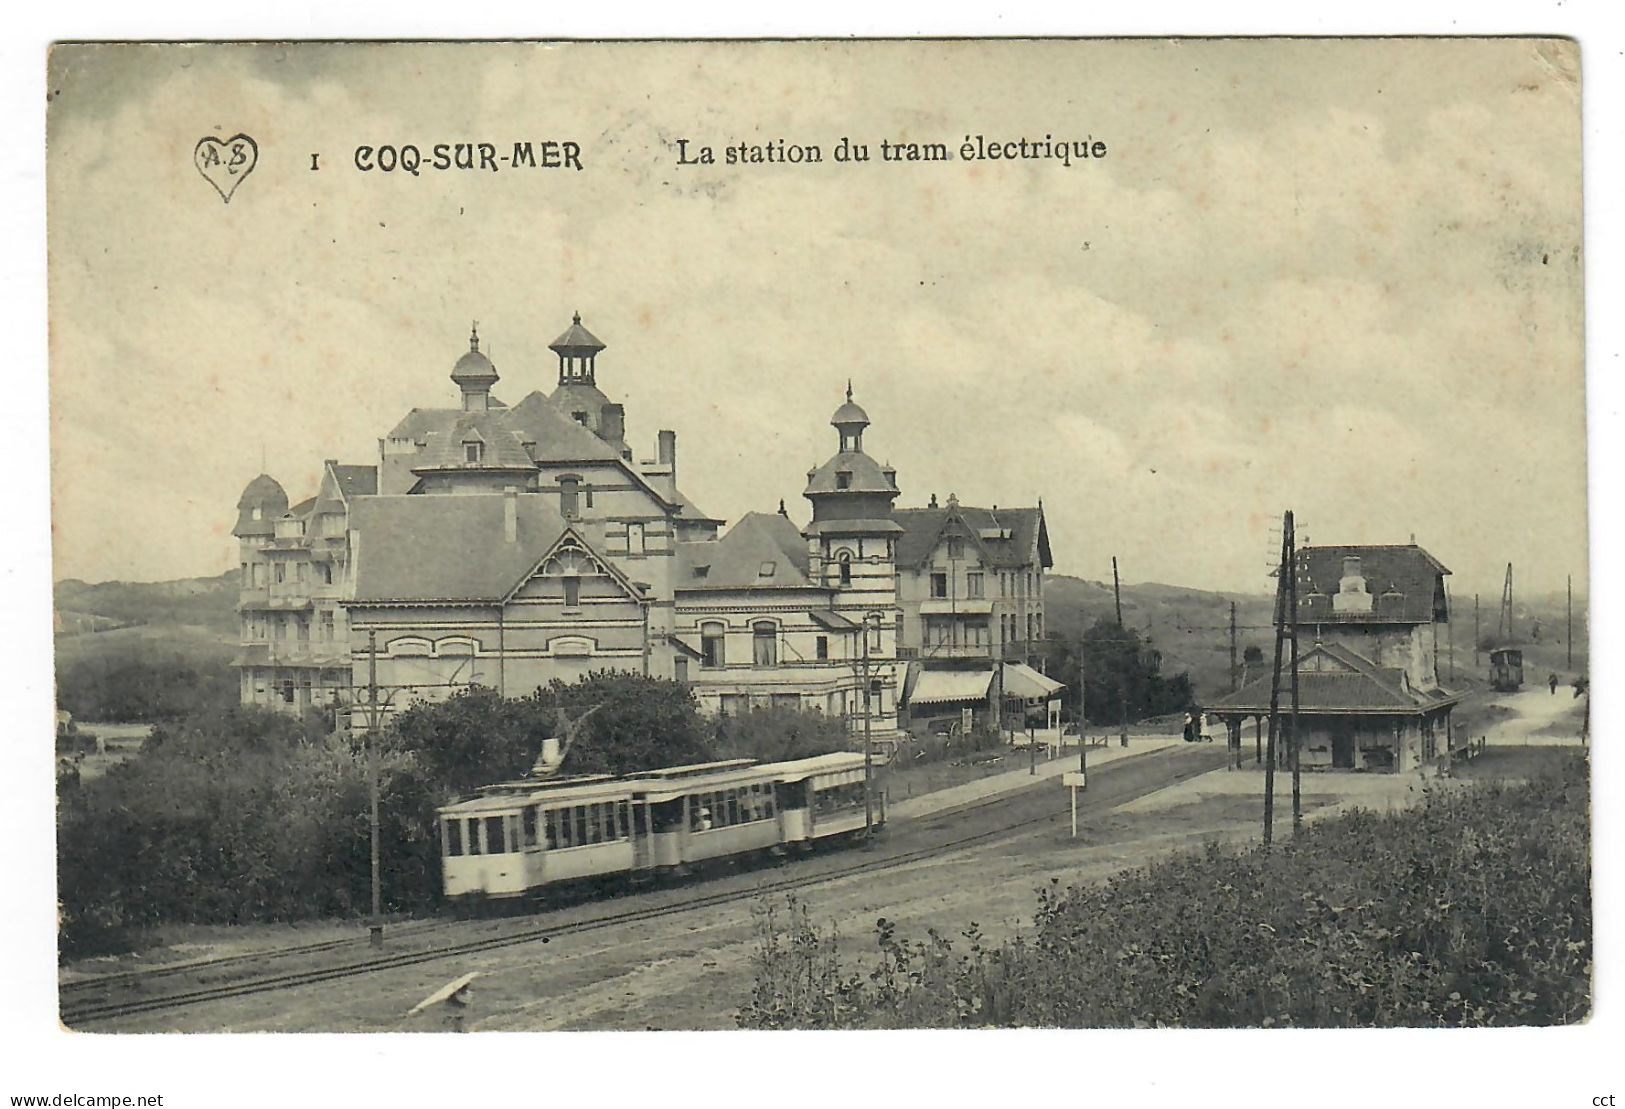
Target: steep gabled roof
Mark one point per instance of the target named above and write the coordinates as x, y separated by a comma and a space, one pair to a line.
558, 438
760, 541
444, 449
1406, 582
447, 548
923, 528
356, 481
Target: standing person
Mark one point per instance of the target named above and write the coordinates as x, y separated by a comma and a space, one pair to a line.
1552, 681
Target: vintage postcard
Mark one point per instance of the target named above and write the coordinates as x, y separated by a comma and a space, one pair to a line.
820, 535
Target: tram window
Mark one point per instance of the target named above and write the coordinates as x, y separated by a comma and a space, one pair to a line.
595, 824
667, 816
607, 811
473, 835
581, 824
454, 837
530, 826
733, 806
566, 829
551, 824
493, 836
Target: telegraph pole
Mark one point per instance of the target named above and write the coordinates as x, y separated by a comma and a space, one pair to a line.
1568, 637
1292, 625
1083, 723
1117, 592
1275, 687
1475, 634
868, 745
375, 927
1235, 683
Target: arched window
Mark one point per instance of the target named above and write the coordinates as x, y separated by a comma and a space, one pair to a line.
764, 637
845, 560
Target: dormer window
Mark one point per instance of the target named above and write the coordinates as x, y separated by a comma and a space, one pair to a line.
579, 417
843, 479
767, 569
473, 451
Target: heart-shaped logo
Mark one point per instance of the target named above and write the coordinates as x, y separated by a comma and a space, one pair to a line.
225, 162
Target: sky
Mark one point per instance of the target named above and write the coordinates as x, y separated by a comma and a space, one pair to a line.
1338, 277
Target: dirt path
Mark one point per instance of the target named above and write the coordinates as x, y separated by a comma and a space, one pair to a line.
1534, 712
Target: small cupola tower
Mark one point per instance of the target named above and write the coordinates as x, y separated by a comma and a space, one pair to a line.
578, 351
474, 375
850, 420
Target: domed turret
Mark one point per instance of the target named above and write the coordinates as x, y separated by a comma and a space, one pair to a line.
262, 502
850, 420
474, 375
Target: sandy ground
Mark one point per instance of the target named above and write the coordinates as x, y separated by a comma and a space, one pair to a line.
1540, 718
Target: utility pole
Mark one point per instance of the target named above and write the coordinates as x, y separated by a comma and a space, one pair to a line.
1503, 628
375, 927
1275, 686
1450, 632
1568, 637
1235, 682
1476, 636
868, 745
1292, 624
1083, 723
1117, 592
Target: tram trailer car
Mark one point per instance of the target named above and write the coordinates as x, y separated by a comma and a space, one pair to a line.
1506, 670
520, 838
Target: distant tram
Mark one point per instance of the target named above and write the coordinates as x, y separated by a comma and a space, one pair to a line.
1506, 669
519, 838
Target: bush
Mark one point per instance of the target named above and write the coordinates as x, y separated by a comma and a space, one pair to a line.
235, 817
1473, 909
142, 689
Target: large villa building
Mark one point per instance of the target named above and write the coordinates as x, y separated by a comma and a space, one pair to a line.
511, 546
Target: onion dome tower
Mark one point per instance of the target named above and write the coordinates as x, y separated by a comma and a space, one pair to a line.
852, 487
262, 503
474, 375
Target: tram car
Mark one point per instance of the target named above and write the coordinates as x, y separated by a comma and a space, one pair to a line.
517, 839
1506, 669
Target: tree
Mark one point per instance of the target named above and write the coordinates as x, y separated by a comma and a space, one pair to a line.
1122, 669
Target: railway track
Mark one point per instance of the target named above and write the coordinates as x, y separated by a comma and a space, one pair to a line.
77, 1009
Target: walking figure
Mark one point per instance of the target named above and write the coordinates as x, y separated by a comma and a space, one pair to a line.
1552, 681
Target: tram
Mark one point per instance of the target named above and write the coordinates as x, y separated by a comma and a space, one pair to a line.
517, 839
1506, 669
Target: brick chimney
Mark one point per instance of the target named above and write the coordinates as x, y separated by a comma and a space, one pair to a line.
612, 423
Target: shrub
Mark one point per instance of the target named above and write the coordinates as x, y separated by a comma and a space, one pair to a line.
1472, 909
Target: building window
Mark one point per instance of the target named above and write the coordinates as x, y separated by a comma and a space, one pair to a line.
636, 539
713, 647
843, 479
586, 495
680, 665
281, 572
973, 585
246, 578
846, 569
572, 591
939, 585
473, 452
327, 573
579, 417
956, 548
569, 497
287, 690
327, 626
823, 647
764, 638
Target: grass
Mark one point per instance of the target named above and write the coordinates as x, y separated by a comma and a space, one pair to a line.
1511, 763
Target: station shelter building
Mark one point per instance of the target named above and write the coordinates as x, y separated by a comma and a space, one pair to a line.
1370, 696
